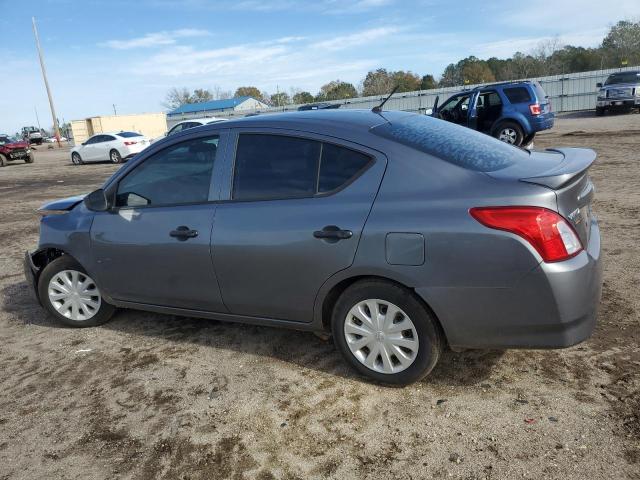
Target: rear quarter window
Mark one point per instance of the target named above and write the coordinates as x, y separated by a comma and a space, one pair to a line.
517, 94
452, 143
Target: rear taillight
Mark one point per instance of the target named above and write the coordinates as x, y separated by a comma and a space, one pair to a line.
130, 143
549, 233
535, 109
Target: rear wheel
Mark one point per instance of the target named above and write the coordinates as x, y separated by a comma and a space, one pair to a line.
29, 158
385, 332
76, 159
71, 295
509, 132
599, 111
115, 156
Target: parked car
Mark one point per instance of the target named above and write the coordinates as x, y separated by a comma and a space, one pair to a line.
32, 135
397, 232
318, 106
512, 112
193, 122
109, 146
12, 149
621, 91
53, 139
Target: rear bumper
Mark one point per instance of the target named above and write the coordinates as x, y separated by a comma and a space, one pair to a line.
542, 122
130, 150
553, 306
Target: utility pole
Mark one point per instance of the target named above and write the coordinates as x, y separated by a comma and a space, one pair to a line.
37, 118
114, 109
46, 84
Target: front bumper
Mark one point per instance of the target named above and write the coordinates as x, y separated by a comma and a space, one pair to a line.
618, 102
31, 273
553, 306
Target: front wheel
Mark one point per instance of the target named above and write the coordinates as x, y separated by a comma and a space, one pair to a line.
3, 160
29, 158
76, 159
509, 132
115, 156
68, 292
599, 111
385, 332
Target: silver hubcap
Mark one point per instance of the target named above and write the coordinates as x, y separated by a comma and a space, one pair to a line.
381, 336
508, 135
114, 157
74, 159
74, 295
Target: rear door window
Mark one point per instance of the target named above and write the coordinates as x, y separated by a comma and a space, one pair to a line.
271, 167
275, 166
517, 94
338, 166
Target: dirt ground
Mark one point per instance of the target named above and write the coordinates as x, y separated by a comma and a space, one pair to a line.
150, 396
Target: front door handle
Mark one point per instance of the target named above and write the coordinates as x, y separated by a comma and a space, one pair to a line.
183, 233
332, 234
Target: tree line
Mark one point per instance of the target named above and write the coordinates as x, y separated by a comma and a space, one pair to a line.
620, 47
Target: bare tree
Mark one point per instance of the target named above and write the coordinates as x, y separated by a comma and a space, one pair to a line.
177, 97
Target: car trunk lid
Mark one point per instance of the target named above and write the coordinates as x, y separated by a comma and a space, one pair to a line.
565, 171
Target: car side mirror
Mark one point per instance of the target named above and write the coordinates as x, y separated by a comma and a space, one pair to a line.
599, 84
97, 201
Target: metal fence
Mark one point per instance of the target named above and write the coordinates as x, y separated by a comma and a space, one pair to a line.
569, 92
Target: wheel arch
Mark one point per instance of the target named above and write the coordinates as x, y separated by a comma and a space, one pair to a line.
328, 301
519, 120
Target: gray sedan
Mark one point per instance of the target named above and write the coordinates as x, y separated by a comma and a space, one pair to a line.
399, 234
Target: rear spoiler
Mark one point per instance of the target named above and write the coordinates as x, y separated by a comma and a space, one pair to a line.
576, 162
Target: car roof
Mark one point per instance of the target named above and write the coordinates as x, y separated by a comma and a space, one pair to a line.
201, 119
349, 118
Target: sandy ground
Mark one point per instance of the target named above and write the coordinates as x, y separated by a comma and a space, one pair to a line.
150, 396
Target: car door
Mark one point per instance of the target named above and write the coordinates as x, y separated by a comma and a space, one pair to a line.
104, 147
153, 246
295, 209
472, 110
88, 149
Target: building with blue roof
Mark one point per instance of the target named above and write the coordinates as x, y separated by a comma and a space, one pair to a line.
207, 109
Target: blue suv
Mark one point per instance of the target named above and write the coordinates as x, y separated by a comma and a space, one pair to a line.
512, 112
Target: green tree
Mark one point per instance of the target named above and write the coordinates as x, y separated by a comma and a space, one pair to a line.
428, 82
248, 92
477, 72
302, 97
377, 82
337, 90
279, 99
405, 81
622, 43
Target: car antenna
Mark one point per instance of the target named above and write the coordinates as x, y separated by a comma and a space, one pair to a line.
378, 108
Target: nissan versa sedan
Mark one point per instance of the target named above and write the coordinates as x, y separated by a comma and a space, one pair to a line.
398, 233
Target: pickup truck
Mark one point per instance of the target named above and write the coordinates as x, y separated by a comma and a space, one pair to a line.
32, 135
12, 149
621, 91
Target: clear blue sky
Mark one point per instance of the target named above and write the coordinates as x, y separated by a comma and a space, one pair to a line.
130, 52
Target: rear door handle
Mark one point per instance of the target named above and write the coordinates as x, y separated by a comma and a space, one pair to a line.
332, 233
183, 233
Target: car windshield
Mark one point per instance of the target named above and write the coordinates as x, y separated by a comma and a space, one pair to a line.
627, 77
128, 134
455, 144
6, 139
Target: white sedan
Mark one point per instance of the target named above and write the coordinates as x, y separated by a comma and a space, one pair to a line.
109, 146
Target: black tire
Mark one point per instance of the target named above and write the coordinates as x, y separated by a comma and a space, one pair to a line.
509, 132
599, 111
430, 340
76, 159
29, 158
114, 156
60, 264
3, 160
